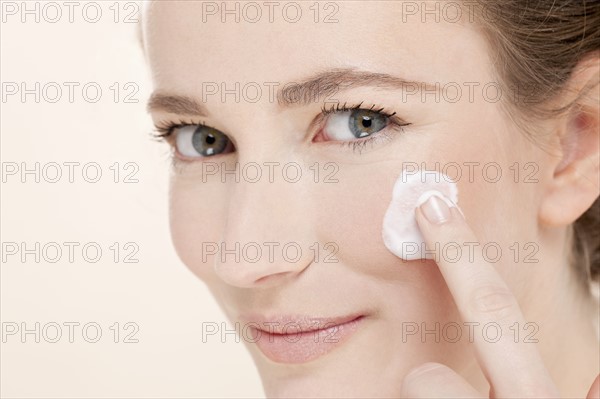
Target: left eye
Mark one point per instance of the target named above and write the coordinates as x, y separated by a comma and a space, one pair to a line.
198, 141
358, 123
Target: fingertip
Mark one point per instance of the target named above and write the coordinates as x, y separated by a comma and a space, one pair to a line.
437, 209
457, 213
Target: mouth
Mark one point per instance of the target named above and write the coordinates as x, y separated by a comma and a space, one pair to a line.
288, 339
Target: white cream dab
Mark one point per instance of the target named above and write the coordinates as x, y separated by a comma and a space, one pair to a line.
401, 233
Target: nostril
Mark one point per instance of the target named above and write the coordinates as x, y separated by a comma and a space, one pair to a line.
270, 277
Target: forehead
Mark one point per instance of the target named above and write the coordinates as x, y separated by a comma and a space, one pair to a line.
190, 42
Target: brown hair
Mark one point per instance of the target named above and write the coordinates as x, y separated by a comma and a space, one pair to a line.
538, 44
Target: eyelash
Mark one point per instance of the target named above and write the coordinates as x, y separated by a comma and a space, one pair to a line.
359, 145
164, 130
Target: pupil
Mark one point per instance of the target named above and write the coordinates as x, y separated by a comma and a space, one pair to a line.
210, 139
367, 122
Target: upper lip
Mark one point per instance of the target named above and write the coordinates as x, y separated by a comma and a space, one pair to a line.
294, 324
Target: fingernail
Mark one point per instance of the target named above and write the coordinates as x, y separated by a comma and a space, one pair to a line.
436, 210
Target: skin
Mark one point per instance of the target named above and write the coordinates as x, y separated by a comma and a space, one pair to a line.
183, 52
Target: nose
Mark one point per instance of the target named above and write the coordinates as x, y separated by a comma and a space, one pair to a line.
267, 229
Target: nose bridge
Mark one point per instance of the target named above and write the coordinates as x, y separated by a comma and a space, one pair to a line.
267, 228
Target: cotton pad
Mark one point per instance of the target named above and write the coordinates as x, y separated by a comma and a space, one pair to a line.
401, 233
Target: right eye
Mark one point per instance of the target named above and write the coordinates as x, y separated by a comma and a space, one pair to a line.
198, 141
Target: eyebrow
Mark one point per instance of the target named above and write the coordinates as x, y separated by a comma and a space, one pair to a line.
309, 91
175, 104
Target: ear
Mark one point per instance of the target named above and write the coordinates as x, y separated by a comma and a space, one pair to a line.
575, 184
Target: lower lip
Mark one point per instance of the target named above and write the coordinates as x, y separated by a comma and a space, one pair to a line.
303, 346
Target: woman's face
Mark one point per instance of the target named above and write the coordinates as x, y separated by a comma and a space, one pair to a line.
319, 233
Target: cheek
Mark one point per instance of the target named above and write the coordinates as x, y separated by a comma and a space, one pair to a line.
503, 216
350, 214
195, 222
496, 192
359, 202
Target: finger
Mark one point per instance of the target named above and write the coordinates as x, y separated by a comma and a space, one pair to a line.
435, 380
594, 392
513, 369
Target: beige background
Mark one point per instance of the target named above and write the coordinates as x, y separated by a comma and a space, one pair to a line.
158, 294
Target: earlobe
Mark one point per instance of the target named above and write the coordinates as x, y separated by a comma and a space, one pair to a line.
575, 183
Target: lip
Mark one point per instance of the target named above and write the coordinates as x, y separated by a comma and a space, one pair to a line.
299, 339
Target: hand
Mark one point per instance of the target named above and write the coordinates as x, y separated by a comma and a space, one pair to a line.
512, 369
